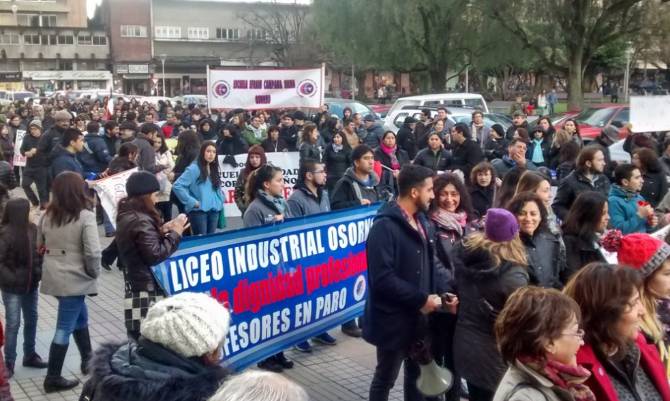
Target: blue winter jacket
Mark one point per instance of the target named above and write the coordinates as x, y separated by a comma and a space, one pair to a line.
623, 211
189, 189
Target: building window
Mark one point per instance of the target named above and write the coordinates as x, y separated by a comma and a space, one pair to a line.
31, 39
257, 34
9, 39
64, 65
84, 39
198, 33
65, 39
99, 40
228, 33
168, 32
133, 31
36, 20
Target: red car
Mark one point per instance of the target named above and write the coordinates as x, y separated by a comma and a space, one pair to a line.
381, 109
592, 120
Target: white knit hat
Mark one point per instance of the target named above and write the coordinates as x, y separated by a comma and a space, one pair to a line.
190, 324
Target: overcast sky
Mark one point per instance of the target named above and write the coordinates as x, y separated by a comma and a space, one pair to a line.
92, 4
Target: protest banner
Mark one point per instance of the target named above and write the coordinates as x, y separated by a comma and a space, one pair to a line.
265, 88
645, 110
111, 190
284, 283
19, 159
288, 161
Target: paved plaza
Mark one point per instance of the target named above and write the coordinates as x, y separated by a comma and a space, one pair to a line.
341, 372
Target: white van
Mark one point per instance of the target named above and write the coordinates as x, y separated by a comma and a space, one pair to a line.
461, 100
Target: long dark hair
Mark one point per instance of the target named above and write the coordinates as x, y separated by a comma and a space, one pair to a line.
259, 177
69, 199
441, 181
584, 214
16, 228
517, 204
142, 204
508, 187
213, 172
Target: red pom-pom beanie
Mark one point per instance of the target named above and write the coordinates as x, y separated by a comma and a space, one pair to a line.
640, 251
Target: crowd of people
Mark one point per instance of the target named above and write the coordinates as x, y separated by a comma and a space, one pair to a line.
469, 251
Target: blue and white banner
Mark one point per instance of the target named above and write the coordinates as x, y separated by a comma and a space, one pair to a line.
284, 283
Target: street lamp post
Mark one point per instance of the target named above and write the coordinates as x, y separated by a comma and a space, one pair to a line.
163, 57
626, 77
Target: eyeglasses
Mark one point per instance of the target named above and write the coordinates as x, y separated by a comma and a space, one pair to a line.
579, 333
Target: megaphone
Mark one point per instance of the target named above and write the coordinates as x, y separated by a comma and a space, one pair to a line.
433, 379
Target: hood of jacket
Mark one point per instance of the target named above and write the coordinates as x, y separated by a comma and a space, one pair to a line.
477, 264
300, 186
147, 371
61, 151
374, 180
619, 192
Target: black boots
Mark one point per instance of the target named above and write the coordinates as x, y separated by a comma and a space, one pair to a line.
83, 341
54, 381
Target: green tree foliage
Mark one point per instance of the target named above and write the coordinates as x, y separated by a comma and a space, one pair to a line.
567, 35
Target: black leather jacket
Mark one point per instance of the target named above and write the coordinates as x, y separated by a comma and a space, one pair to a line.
142, 245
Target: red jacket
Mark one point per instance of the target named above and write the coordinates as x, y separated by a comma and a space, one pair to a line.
600, 383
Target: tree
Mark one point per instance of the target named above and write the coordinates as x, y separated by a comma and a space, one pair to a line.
286, 29
567, 34
404, 36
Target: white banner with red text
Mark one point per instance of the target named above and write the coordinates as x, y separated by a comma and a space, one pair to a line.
265, 88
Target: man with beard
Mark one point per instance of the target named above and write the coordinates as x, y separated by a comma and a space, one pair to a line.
403, 282
52, 138
309, 197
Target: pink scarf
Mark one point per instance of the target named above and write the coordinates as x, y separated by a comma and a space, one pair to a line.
570, 378
391, 152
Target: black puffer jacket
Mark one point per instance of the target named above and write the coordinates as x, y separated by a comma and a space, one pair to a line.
580, 252
654, 187
482, 199
546, 258
142, 245
574, 184
147, 371
336, 164
349, 187
19, 276
483, 290
436, 161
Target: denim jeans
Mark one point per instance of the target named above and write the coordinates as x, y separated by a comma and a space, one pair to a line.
72, 315
14, 305
203, 222
109, 228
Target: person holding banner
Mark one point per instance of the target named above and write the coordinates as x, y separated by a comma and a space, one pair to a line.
143, 240
403, 282
267, 205
309, 197
199, 189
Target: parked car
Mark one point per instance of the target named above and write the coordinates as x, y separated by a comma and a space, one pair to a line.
472, 101
455, 115
617, 154
592, 120
336, 106
381, 109
200, 100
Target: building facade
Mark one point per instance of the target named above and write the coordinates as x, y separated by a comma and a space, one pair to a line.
188, 35
129, 27
51, 46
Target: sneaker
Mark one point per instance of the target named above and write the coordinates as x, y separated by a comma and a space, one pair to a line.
284, 361
105, 265
303, 347
35, 361
271, 365
325, 339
